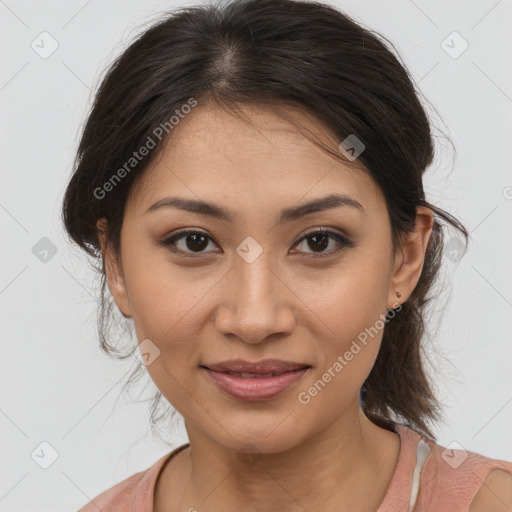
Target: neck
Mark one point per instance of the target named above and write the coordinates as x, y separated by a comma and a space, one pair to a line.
347, 466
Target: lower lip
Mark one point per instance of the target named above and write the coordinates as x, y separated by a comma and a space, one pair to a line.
255, 388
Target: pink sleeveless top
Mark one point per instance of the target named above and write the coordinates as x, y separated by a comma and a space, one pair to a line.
427, 477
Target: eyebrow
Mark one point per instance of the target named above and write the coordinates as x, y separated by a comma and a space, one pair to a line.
287, 214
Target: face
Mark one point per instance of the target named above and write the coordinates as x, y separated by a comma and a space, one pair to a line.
255, 285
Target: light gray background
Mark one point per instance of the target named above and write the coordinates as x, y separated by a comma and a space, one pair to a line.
57, 387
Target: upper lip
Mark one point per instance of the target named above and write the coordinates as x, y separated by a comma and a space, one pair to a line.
263, 366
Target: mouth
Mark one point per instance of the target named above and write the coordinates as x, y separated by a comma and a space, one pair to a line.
264, 367
246, 375
257, 381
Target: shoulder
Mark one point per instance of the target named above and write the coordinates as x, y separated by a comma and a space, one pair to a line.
463, 480
118, 495
495, 495
134, 491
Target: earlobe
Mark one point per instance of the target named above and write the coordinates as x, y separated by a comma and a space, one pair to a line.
410, 258
115, 278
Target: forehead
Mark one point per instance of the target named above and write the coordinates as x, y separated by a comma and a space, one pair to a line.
212, 152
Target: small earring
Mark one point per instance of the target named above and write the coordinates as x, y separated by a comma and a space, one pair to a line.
398, 294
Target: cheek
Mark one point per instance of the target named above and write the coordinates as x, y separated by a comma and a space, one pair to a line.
169, 311
166, 300
349, 299
352, 308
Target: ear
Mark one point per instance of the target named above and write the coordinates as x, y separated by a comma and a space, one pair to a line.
113, 270
410, 257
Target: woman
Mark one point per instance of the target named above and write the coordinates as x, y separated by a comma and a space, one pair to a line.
251, 177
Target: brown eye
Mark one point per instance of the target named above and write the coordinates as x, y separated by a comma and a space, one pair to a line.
188, 242
318, 241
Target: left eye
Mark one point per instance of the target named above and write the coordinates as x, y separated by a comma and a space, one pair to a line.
319, 241
195, 242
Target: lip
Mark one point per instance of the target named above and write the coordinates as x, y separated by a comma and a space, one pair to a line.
264, 366
255, 388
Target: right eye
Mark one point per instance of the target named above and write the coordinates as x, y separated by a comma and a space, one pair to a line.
189, 242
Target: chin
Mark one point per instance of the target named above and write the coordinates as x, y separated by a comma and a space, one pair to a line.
256, 446
262, 436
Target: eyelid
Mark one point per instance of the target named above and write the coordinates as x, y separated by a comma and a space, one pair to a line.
344, 241
321, 229
169, 241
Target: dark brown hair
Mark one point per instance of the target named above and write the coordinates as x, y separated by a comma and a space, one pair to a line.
287, 53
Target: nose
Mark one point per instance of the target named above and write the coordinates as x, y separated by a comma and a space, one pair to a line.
256, 303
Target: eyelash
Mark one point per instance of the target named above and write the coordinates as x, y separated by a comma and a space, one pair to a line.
343, 242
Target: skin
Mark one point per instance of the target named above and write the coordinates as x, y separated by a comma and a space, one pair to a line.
289, 303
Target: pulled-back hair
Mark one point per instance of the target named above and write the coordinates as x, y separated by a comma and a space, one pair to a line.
284, 53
